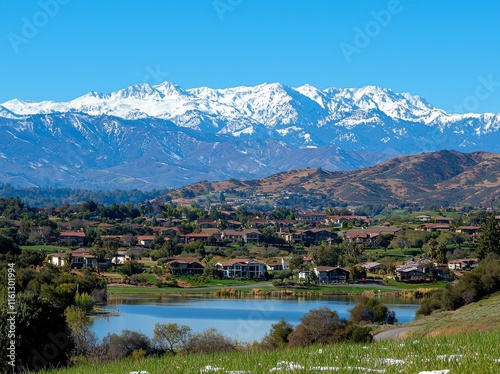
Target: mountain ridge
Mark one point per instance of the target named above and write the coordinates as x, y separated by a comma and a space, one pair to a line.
164, 136
440, 178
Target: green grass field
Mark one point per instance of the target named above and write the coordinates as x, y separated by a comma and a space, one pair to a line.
464, 353
47, 248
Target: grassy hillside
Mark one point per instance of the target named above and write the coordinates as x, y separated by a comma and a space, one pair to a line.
482, 316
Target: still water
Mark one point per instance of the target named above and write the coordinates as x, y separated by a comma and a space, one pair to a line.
244, 319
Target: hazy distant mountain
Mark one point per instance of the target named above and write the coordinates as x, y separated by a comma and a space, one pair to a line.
437, 178
164, 136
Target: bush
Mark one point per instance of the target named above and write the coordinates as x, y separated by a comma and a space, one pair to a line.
360, 334
277, 336
369, 310
84, 302
321, 326
480, 282
138, 280
131, 268
210, 341
119, 346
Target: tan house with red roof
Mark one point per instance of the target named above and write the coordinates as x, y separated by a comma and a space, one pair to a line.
66, 236
247, 236
145, 240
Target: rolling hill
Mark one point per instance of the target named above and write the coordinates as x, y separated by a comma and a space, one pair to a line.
437, 178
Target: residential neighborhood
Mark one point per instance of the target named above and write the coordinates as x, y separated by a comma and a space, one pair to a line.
305, 246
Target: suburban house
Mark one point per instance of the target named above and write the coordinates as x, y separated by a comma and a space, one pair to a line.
308, 236
251, 236
469, 230
303, 274
145, 240
256, 223
67, 236
368, 235
278, 264
372, 267
463, 264
423, 218
433, 227
185, 266
207, 223
57, 259
443, 220
329, 274
205, 237
120, 258
312, 218
410, 274
82, 258
247, 236
242, 267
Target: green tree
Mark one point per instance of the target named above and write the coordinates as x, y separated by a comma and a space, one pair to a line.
432, 248
369, 310
277, 336
489, 239
326, 255
441, 253
85, 340
84, 301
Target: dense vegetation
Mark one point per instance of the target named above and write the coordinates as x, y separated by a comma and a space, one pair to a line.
480, 282
47, 197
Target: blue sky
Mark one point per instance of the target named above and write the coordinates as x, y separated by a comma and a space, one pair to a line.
445, 51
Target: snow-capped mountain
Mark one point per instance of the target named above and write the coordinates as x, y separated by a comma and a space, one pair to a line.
176, 136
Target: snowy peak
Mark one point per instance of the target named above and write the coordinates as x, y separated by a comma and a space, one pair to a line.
171, 89
290, 112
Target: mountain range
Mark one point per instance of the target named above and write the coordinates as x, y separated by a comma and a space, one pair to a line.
165, 136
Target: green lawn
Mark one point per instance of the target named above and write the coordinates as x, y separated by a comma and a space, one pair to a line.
47, 248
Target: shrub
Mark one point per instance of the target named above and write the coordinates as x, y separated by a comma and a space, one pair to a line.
369, 310
131, 267
84, 301
321, 326
119, 346
277, 336
210, 341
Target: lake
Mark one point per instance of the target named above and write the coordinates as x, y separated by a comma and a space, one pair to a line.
244, 319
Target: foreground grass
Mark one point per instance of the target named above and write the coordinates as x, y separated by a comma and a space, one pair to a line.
464, 353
